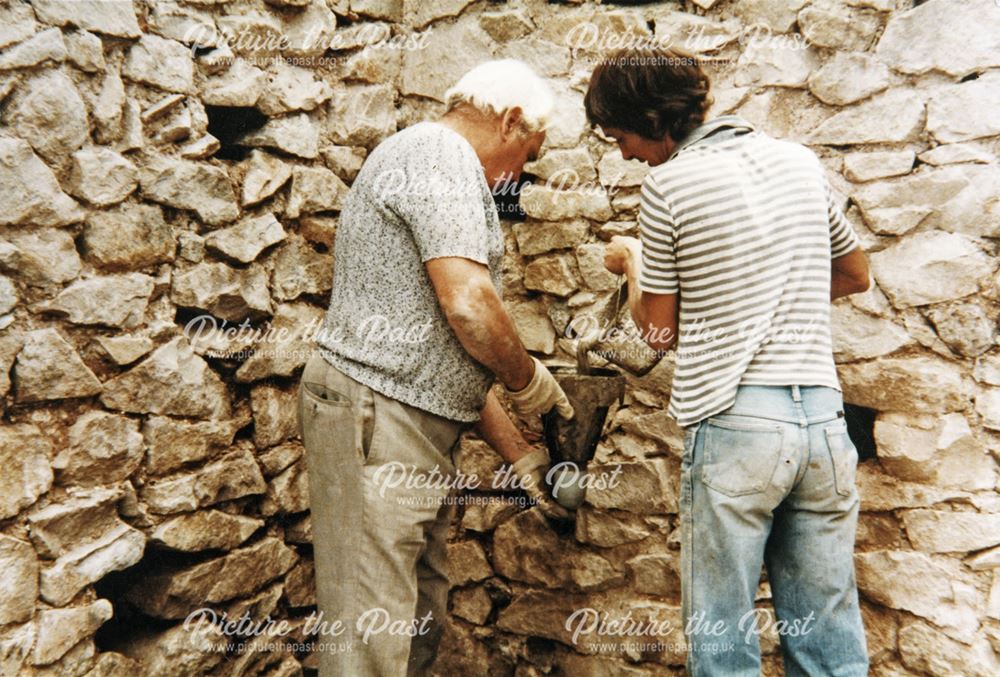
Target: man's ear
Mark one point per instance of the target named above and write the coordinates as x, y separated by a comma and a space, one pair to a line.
510, 122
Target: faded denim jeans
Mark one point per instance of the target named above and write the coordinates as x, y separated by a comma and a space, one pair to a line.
771, 480
379, 549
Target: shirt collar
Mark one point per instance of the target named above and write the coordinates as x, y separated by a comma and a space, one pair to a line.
713, 128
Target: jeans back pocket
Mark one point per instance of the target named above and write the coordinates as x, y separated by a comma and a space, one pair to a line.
843, 456
740, 456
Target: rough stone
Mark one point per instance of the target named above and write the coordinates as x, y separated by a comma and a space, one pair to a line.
849, 77
15, 647
957, 38
930, 267
881, 492
547, 204
962, 112
223, 291
433, 69
40, 257
231, 476
966, 327
8, 295
48, 113
300, 269
564, 168
173, 380
526, 549
568, 121
860, 336
655, 574
505, 26
911, 581
20, 567
128, 237
103, 449
110, 18
608, 529
551, 273
533, 326
29, 190
112, 300
17, 23
294, 134
862, 167
275, 415
774, 65
988, 407
928, 651
287, 492
839, 27
954, 153
189, 650
276, 459
160, 62
895, 116
265, 174
472, 604
309, 31
84, 517
291, 89
173, 594
204, 530
915, 384
467, 563
204, 189
171, 443
45, 46
118, 549
777, 16
242, 84
948, 531
49, 368
642, 487
60, 629
361, 115
314, 189
949, 199
248, 238
940, 450
538, 238
102, 177
696, 34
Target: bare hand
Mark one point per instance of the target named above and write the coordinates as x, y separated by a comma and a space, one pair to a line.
619, 252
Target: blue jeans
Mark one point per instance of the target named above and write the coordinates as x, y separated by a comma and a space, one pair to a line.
771, 480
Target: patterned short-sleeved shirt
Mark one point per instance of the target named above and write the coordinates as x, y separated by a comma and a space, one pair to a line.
743, 227
420, 195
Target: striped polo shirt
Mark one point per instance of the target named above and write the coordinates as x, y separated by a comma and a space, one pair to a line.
743, 227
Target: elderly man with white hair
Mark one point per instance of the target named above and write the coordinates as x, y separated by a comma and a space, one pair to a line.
415, 337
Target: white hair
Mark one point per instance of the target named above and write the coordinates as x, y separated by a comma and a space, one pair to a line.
494, 87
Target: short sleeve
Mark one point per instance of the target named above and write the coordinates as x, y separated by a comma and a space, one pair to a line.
438, 190
843, 239
658, 234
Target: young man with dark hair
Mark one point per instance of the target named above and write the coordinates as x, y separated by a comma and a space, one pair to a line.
743, 247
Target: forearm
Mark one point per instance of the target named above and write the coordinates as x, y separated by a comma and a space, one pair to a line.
487, 333
658, 336
497, 430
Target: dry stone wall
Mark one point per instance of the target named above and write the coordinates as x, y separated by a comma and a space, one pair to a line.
170, 177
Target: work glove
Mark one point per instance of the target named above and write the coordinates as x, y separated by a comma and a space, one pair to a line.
540, 395
530, 470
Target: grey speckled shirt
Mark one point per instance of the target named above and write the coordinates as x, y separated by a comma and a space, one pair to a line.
420, 195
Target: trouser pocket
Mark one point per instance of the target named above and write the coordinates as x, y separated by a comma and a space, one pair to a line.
843, 456
740, 455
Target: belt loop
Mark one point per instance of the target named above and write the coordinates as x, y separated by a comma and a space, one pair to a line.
796, 394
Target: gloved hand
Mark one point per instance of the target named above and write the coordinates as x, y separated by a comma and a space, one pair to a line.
530, 470
540, 395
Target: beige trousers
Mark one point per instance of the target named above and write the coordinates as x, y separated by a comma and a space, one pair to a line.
378, 542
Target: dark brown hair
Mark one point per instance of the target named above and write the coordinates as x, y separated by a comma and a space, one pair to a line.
651, 92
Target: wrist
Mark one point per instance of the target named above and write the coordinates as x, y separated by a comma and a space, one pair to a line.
524, 376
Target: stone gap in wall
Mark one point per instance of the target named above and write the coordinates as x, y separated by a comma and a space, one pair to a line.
228, 123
